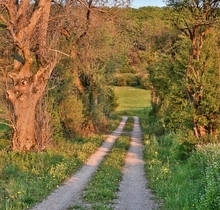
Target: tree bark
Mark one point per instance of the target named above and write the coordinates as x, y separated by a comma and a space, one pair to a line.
24, 95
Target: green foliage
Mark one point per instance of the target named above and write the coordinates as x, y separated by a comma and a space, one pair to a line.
139, 30
185, 79
71, 115
171, 101
4, 130
127, 79
66, 109
4, 143
79, 110
181, 175
144, 82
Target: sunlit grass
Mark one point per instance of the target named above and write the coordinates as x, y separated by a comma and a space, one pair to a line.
182, 182
131, 100
105, 182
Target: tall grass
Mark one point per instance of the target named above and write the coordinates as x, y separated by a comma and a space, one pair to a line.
179, 181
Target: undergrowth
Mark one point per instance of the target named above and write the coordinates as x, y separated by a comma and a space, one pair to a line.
182, 176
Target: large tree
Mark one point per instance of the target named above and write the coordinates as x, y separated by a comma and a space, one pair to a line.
27, 25
34, 28
198, 21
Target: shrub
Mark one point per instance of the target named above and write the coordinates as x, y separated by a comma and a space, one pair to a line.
144, 83
71, 115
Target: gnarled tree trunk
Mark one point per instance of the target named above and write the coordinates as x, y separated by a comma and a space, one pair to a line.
27, 23
24, 102
24, 96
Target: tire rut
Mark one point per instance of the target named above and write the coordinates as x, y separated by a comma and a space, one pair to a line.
133, 193
71, 190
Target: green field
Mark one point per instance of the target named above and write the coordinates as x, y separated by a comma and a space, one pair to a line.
131, 100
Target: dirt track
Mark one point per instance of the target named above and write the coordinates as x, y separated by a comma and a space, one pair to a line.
133, 194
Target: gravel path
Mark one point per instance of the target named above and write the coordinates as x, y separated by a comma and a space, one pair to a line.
133, 193
71, 190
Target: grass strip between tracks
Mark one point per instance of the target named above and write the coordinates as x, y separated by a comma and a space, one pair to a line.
105, 183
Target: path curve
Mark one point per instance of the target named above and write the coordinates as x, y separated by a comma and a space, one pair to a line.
133, 193
71, 190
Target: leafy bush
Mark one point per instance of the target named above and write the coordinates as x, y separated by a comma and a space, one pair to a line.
71, 115
143, 81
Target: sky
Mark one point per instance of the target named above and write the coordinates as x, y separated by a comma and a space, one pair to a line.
142, 3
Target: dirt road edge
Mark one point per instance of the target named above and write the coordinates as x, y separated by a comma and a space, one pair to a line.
71, 190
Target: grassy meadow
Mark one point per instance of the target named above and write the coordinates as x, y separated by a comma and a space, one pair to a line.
131, 100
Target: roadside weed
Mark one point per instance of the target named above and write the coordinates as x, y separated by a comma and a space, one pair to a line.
192, 183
